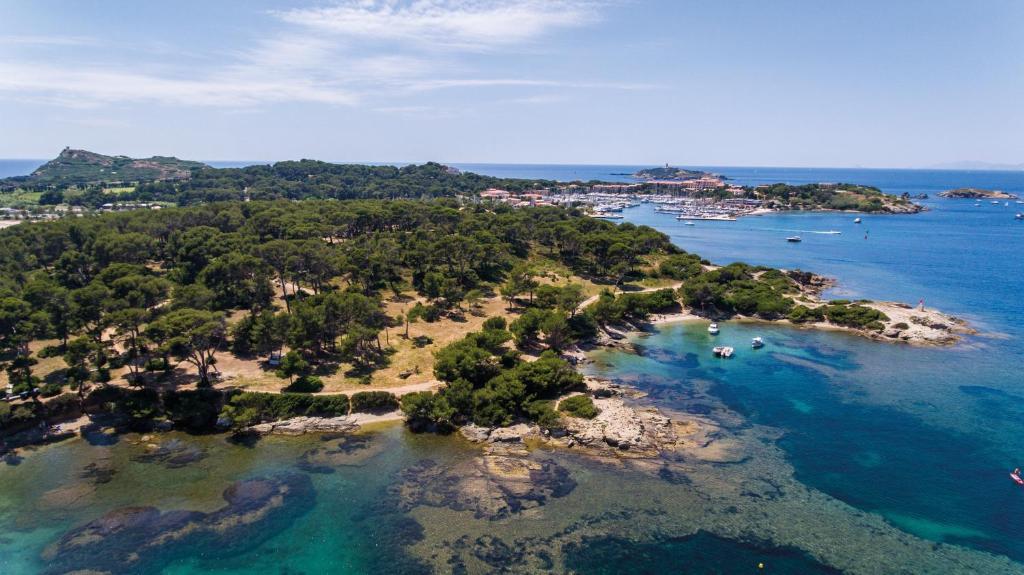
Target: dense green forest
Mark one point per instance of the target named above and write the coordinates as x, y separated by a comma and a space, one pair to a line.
147, 290
305, 179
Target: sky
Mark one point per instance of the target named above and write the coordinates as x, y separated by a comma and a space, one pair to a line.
716, 82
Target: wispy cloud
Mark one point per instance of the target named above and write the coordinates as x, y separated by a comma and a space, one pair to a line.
87, 87
465, 24
348, 53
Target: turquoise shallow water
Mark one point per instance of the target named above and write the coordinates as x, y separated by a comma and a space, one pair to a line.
923, 438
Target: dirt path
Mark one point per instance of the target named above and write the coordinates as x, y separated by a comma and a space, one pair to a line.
590, 300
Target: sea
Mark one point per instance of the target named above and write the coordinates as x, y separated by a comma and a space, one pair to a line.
828, 453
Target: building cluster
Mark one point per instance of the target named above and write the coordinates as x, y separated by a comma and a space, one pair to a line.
517, 199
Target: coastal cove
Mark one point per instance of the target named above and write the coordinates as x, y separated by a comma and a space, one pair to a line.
824, 444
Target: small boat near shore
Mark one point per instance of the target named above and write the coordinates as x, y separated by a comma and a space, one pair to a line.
794, 239
856, 220
757, 343
713, 329
723, 351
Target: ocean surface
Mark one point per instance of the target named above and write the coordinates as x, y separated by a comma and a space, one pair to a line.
837, 454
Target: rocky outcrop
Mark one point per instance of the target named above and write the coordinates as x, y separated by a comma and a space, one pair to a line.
303, 425
619, 428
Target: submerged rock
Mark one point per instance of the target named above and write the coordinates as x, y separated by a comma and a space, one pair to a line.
492, 486
345, 451
172, 454
135, 539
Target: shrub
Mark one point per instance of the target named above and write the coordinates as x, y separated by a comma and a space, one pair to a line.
306, 384
51, 389
579, 406
374, 402
901, 325
680, 266
193, 409
496, 322
541, 411
249, 408
424, 409
62, 406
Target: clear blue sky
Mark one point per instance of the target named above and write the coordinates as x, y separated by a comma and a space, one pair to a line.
718, 82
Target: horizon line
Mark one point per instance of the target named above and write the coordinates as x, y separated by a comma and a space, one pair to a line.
1007, 168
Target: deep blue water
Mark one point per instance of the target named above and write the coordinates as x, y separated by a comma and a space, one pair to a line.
925, 437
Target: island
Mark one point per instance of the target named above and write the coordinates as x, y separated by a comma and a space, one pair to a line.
671, 173
977, 194
833, 197
384, 294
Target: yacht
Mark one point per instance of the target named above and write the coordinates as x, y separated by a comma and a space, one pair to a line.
794, 239
723, 351
1019, 216
688, 223
713, 329
856, 221
757, 343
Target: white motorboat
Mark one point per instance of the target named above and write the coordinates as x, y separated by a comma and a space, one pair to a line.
757, 343
723, 351
856, 221
794, 239
713, 329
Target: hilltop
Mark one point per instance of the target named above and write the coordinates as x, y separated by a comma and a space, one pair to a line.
85, 167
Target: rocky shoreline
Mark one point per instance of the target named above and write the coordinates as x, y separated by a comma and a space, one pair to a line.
619, 429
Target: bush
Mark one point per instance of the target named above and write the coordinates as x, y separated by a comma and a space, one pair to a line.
374, 402
62, 406
193, 409
804, 314
249, 408
680, 266
140, 406
542, 412
424, 409
51, 389
305, 384
579, 406
901, 325
496, 322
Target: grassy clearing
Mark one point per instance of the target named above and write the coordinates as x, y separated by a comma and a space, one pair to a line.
19, 198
